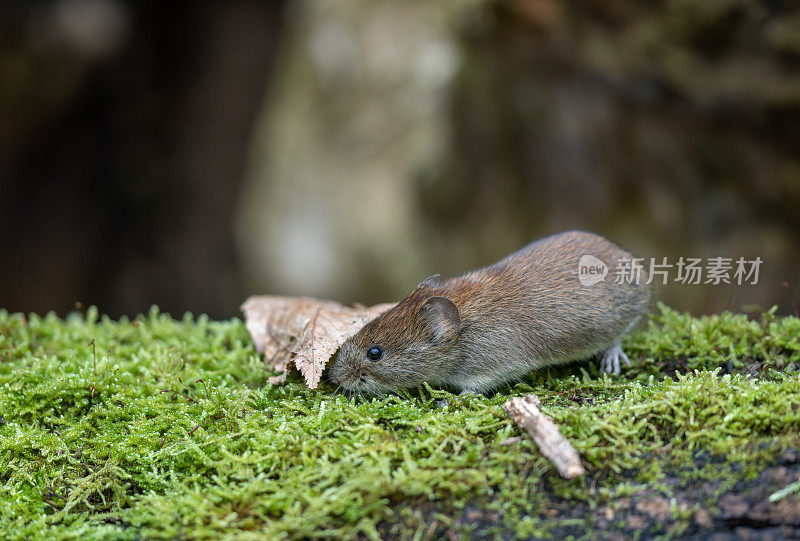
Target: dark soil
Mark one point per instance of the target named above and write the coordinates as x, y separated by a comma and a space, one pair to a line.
744, 513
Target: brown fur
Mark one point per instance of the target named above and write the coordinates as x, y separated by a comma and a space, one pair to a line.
526, 311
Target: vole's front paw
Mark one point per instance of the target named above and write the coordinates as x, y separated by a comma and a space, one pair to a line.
611, 357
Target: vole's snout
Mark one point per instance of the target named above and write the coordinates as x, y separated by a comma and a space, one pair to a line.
341, 372
349, 373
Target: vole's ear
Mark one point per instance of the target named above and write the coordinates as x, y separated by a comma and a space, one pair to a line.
440, 315
431, 281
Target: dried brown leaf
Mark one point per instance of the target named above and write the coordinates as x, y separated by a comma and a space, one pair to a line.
303, 331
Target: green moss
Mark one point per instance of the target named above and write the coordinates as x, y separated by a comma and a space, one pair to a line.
162, 428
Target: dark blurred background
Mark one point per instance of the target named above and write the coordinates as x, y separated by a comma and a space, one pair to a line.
190, 154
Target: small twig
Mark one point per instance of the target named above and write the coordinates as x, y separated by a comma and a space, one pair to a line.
525, 412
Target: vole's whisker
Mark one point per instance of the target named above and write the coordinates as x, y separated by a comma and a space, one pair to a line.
386, 388
398, 370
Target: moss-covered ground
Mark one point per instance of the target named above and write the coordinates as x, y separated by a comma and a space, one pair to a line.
162, 428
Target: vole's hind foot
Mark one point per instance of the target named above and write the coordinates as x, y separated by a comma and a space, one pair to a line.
610, 361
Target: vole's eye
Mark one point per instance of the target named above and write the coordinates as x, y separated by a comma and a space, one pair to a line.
374, 353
